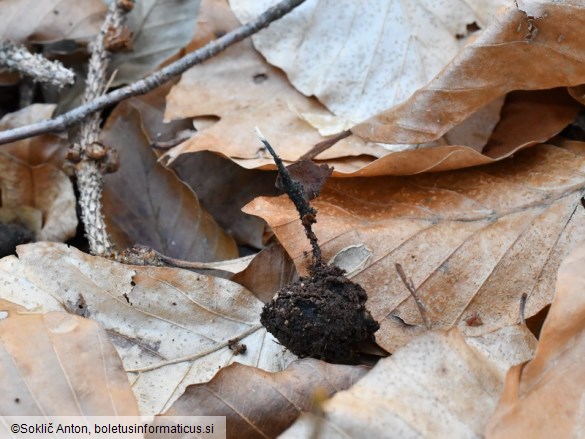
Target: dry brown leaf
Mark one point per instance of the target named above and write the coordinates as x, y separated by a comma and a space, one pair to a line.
270, 270
439, 385
45, 21
473, 241
43, 187
38, 150
533, 50
147, 204
360, 58
160, 28
170, 326
544, 397
262, 404
224, 188
528, 118
240, 88
59, 364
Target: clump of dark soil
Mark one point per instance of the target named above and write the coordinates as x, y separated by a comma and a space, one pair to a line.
321, 316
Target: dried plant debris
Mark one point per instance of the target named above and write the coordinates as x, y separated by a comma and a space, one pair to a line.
323, 315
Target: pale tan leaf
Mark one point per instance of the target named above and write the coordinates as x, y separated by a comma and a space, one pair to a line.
160, 29
360, 58
43, 187
45, 21
473, 241
544, 397
171, 326
257, 403
59, 364
439, 385
240, 88
544, 44
145, 203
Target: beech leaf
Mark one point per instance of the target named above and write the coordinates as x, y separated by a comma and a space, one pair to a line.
171, 327
553, 382
45, 21
145, 203
360, 58
439, 385
542, 38
242, 394
243, 91
58, 354
473, 241
160, 29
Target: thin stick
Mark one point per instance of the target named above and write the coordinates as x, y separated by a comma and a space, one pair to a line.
523, 308
422, 309
156, 79
324, 145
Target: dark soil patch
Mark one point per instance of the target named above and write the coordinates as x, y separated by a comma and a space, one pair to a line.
321, 316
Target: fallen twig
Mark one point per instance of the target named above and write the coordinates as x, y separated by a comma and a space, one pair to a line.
422, 309
156, 79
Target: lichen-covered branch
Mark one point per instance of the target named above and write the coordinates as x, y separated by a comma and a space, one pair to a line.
92, 159
16, 57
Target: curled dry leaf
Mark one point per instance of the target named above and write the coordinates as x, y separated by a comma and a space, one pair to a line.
257, 403
160, 28
439, 385
240, 88
45, 21
147, 204
527, 118
43, 187
542, 38
553, 382
59, 364
171, 326
473, 241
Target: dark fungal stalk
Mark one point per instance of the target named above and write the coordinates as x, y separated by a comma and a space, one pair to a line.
322, 315
297, 194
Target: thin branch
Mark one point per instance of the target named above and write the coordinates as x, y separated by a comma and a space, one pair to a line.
324, 145
153, 81
422, 309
